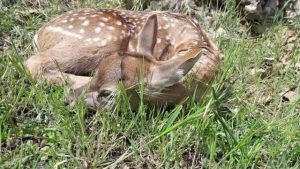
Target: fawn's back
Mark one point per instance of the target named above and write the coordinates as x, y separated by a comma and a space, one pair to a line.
110, 30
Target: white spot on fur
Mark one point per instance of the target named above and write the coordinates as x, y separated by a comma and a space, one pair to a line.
189, 26
111, 28
123, 32
105, 19
195, 42
101, 24
70, 26
64, 21
72, 19
97, 30
119, 23
168, 37
93, 16
158, 40
114, 38
70, 12
88, 39
64, 32
166, 26
165, 18
103, 43
109, 38
81, 31
96, 39
82, 18
87, 10
85, 23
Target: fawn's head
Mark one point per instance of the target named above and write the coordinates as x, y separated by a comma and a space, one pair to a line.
141, 65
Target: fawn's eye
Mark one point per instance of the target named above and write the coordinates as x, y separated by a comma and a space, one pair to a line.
104, 93
182, 52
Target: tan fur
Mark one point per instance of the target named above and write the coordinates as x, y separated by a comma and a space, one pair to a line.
100, 47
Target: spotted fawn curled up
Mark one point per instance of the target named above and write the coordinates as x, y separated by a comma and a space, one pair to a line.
98, 48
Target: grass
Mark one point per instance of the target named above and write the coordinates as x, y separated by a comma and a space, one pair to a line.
243, 123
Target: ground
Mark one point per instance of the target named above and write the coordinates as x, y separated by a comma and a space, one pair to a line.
249, 120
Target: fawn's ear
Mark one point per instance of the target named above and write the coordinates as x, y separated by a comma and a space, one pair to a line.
147, 36
167, 73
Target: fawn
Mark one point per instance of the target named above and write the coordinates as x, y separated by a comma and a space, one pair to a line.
100, 47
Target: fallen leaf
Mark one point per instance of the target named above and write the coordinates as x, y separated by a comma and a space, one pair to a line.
290, 95
125, 166
290, 39
264, 100
258, 72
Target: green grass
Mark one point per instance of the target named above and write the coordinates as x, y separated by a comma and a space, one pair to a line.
243, 123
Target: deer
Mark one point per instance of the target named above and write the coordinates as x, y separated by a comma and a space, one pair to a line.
96, 49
